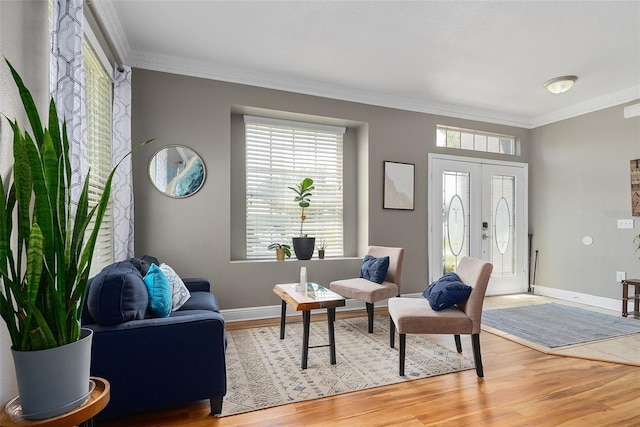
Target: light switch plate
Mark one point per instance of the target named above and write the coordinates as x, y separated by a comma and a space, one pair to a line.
620, 276
625, 223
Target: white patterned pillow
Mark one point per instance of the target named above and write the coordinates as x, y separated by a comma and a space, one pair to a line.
179, 292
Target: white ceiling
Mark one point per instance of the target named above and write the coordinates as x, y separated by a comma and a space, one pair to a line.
484, 60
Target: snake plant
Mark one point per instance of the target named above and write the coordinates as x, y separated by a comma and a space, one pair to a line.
45, 257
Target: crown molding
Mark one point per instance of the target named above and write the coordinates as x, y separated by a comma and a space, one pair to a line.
182, 66
610, 100
213, 71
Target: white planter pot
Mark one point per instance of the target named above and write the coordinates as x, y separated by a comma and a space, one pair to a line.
56, 380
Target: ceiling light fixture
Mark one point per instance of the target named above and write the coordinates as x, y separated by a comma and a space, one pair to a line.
560, 84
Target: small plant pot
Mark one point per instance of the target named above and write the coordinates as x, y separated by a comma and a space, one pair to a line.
280, 254
321, 253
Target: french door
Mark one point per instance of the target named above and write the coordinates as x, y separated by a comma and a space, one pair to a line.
478, 208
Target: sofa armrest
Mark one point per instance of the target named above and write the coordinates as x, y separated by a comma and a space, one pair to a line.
197, 284
176, 359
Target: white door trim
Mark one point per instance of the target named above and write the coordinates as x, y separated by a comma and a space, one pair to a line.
431, 249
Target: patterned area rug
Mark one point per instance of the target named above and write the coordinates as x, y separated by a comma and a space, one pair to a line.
264, 371
556, 325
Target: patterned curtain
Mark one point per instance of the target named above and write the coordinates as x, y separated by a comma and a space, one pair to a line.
122, 189
67, 83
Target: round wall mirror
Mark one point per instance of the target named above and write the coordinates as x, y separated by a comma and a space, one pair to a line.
176, 171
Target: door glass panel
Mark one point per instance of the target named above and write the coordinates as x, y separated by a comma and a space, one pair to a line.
503, 226
455, 218
503, 254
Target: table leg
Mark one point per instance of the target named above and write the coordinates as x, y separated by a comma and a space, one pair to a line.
306, 321
625, 298
283, 316
331, 317
636, 302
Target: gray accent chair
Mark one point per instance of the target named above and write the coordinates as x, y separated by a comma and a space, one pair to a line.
415, 316
371, 292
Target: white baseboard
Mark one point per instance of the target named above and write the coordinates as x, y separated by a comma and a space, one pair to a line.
273, 311
602, 302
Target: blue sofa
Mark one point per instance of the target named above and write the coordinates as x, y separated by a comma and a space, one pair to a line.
154, 362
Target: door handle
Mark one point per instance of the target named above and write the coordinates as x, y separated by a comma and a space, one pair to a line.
486, 236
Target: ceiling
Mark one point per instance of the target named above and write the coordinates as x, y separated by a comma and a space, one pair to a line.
482, 60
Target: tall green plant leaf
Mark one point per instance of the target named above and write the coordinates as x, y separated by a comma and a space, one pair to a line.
29, 105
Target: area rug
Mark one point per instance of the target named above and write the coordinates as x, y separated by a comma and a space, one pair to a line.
556, 325
264, 371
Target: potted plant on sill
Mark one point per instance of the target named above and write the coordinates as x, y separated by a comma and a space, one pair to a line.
44, 265
281, 250
322, 248
303, 246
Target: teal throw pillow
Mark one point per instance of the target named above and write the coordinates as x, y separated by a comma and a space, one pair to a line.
374, 269
159, 292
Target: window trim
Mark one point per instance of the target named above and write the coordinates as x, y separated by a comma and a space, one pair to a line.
257, 253
515, 143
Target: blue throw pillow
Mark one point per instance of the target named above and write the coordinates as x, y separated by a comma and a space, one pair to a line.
446, 292
159, 292
374, 269
117, 295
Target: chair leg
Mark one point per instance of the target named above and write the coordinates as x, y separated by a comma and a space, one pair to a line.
392, 333
403, 346
370, 316
477, 357
458, 343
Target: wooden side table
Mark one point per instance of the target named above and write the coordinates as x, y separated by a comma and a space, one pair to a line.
635, 297
82, 415
306, 297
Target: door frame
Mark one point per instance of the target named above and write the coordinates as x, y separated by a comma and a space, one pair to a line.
431, 244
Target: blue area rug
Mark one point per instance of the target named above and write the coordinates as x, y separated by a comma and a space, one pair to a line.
557, 325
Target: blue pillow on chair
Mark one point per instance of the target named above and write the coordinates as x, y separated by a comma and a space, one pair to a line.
374, 269
159, 292
446, 292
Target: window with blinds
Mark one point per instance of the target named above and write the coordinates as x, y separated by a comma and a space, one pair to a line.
98, 98
280, 154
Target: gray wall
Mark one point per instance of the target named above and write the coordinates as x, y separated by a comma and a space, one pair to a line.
579, 185
194, 235
24, 42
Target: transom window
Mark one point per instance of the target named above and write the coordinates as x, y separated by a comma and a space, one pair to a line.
280, 154
465, 139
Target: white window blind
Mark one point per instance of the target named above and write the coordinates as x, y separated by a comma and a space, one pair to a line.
99, 95
280, 154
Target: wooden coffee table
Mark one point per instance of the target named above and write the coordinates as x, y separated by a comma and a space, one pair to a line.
307, 297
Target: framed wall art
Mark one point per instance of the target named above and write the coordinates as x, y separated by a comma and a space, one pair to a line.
399, 185
635, 187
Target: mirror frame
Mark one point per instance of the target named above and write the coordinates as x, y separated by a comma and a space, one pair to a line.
164, 191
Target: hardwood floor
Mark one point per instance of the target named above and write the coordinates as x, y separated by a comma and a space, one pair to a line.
522, 387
